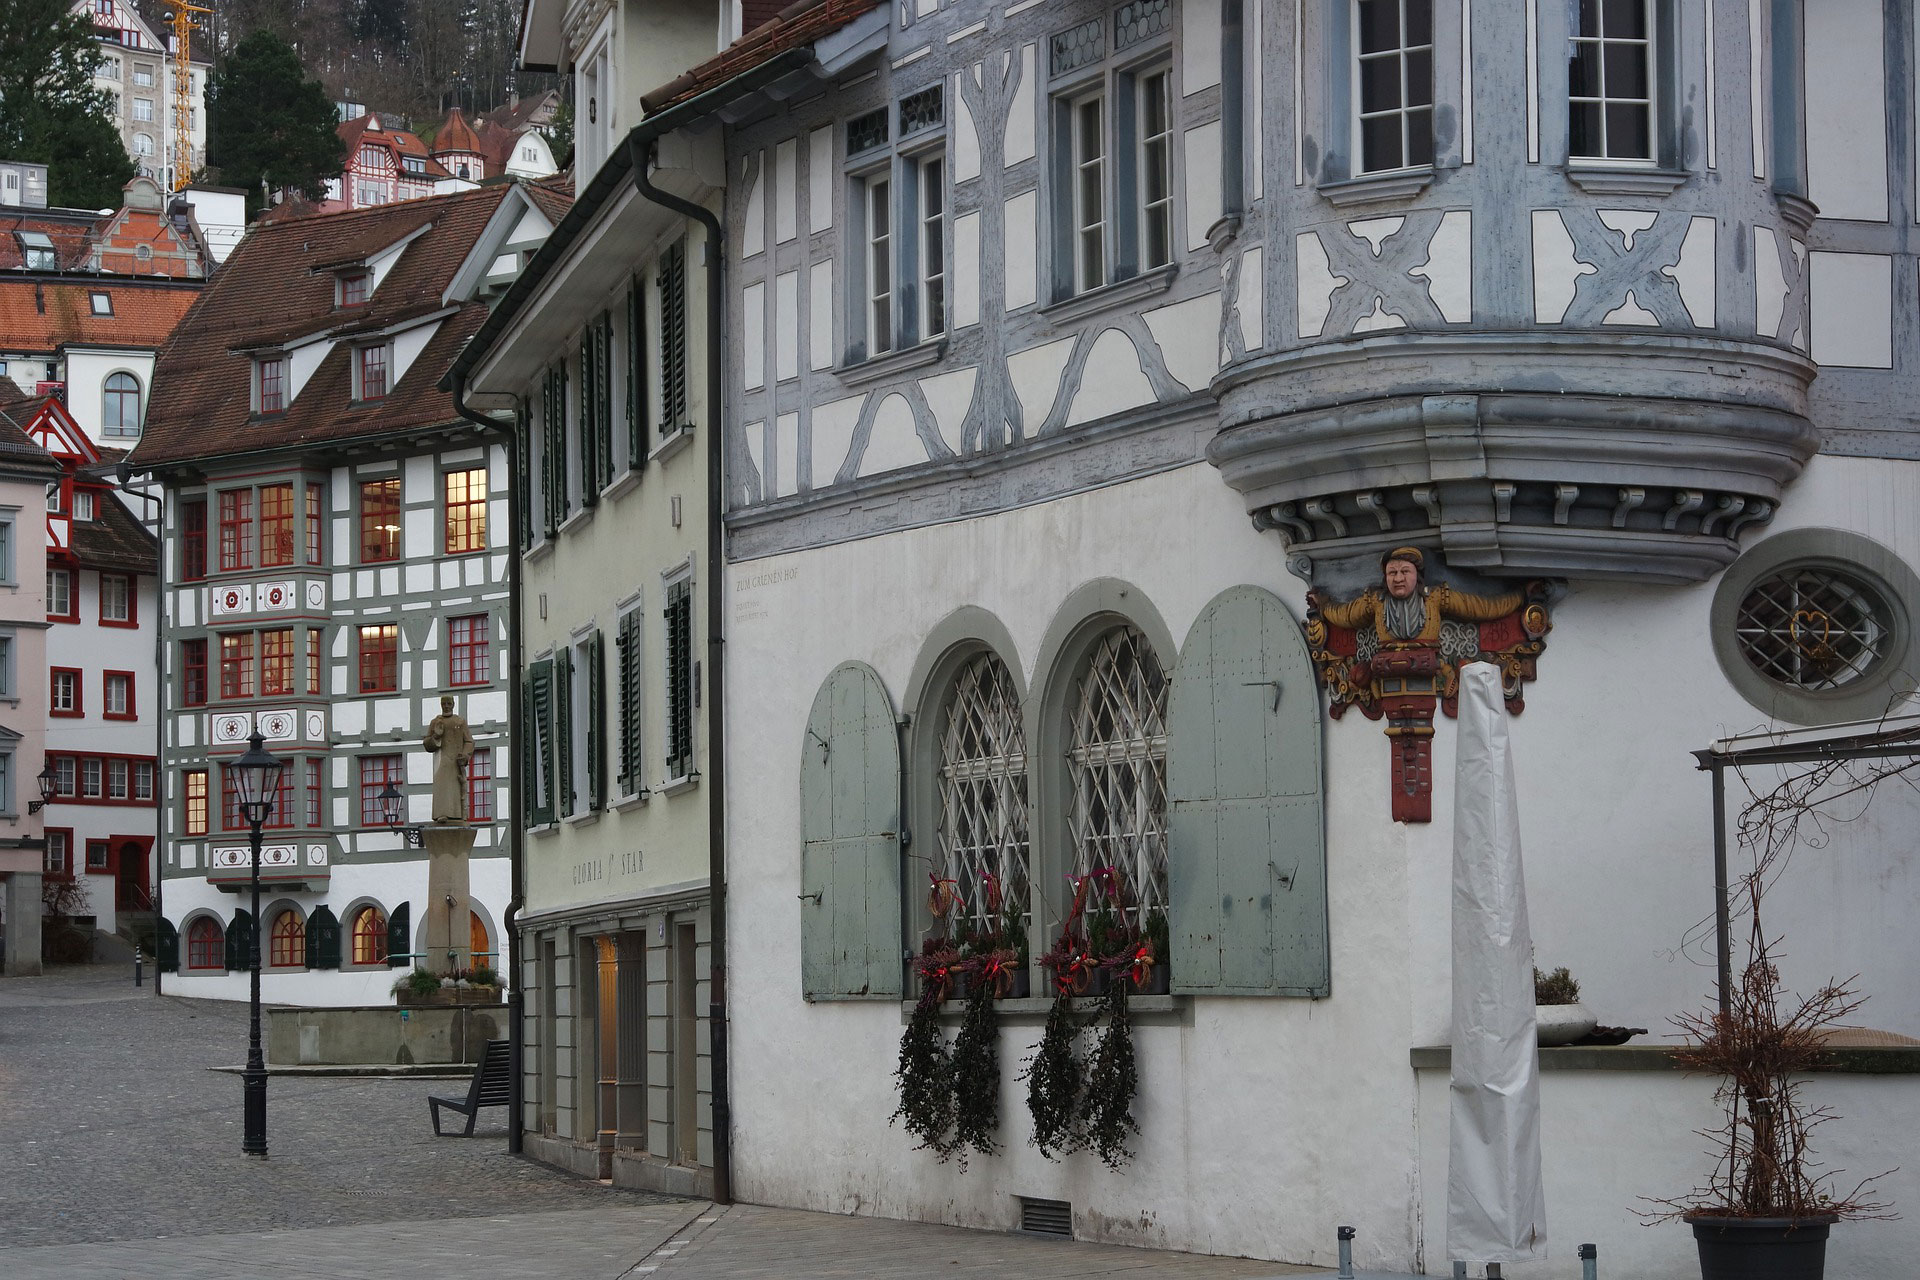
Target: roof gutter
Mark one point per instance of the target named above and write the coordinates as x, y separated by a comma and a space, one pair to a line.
640, 155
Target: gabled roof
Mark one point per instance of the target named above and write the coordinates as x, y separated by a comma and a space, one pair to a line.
359, 132
798, 24
44, 315
201, 405
52, 427
114, 540
18, 452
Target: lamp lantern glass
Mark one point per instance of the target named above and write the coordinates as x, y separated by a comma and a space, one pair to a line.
48, 780
392, 802
256, 778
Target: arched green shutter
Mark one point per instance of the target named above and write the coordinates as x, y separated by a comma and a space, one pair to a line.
323, 939
1247, 840
166, 946
400, 936
850, 841
239, 942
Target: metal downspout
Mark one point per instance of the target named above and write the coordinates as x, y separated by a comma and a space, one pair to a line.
641, 154
516, 844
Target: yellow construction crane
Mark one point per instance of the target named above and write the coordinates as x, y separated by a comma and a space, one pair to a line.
184, 21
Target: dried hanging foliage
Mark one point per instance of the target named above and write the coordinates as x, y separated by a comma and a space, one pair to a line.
975, 1072
1053, 1076
925, 1075
1111, 1083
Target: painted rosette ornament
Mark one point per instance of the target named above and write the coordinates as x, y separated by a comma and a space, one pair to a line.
1395, 651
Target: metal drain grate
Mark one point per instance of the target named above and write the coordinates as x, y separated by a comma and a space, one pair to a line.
1046, 1217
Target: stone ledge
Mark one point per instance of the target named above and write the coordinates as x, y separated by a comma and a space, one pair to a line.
1872, 1060
373, 1070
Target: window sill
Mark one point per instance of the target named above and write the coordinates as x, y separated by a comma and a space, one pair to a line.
1033, 1010
1132, 290
629, 481
624, 803
1624, 180
677, 786
123, 625
671, 445
544, 829
878, 367
586, 819
579, 519
1376, 188
538, 551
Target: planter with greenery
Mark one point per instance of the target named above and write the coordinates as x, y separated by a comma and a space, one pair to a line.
423, 988
1557, 1011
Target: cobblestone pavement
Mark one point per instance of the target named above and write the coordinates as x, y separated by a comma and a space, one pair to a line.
120, 1160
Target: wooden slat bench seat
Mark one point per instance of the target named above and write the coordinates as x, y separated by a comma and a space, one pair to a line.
492, 1080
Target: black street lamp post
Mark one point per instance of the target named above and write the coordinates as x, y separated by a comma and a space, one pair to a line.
256, 777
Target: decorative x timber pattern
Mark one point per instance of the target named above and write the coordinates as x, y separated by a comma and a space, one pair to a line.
1378, 269
983, 792
1117, 763
1620, 267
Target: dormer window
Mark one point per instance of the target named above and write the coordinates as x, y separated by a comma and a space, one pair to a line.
83, 506
271, 384
37, 249
353, 288
371, 373
101, 303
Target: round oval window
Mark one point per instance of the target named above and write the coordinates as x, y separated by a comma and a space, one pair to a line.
1814, 628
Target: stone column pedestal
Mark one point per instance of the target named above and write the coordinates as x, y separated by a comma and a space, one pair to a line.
23, 924
449, 904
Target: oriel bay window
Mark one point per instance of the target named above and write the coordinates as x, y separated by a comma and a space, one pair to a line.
315, 519
236, 529
1393, 87
193, 792
276, 662
276, 525
380, 520
236, 665
279, 812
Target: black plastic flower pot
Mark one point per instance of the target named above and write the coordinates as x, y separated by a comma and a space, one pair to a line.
1762, 1248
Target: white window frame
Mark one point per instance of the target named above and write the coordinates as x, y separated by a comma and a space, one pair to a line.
65, 578
143, 110
126, 594
1404, 112
1144, 165
930, 241
1650, 69
877, 244
1089, 226
83, 506
143, 76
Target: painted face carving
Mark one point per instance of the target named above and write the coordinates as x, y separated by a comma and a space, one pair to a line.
1402, 579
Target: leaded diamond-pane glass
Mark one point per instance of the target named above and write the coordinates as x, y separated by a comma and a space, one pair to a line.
1141, 20
1812, 627
923, 110
983, 796
1117, 764
866, 132
1077, 47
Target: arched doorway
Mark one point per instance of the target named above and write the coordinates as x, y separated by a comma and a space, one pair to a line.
477, 942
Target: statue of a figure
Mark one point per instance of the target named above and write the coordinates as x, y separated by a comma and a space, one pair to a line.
452, 747
1397, 652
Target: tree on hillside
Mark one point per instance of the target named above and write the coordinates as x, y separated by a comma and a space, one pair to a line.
50, 113
265, 119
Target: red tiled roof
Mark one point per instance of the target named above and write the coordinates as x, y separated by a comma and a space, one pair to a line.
455, 134
72, 238
798, 24
114, 540
354, 133
38, 316
755, 14
202, 382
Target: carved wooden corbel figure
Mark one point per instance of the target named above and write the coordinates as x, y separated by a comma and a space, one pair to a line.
1396, 649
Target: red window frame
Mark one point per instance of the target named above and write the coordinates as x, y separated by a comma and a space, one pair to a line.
106, 701
78, 707
236, 664
193, 540
276, 525
105, 865
353, 288
276, 662
466, 503
273, 385
380, 658
287, 943
66, 776
480, 786
375, 773
369, 933
93, 778
380, 520
193, 673
143, 781
206, 944
469, 650
193, 793
61, 867
316, 516
133, 599
236, 529
373, 372
119, 780
279, 813
314, 635
314, 794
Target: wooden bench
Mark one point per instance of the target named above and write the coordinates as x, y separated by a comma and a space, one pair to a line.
492, 1083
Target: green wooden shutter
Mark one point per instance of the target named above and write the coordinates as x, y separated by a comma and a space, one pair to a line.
596, 722
523, 473
636, 375
323, 939
631, 757
673, 339
1247, 867
540, 746
166, 946
563, 797
400, 936
679, 629
603, 391
586, 420
240, 942
553, 455
850, 905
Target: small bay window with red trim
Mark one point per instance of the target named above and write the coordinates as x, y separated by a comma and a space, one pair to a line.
380, 658
276, 525
375, 773
469, 652
193, 673
480, 786
193, 791
193, 539
315, 519
236, 665
236, 529
314, 794
276, 662
279, 813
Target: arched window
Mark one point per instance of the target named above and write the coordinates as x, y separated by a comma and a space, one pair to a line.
369, 936
288, 941
1117, 768
206, 944
983, 830
142, 144
477, 942
120, 402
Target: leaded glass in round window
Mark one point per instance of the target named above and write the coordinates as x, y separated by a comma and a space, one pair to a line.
1813, 627
1117, 765
983, 796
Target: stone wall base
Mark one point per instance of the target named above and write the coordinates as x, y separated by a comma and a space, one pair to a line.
638, 1171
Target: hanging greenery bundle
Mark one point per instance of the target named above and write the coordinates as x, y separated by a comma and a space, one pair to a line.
925, 1073
1111, 1084
975, 1071
1053, 1084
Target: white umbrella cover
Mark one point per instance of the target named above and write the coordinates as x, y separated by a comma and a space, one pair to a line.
1496, 1209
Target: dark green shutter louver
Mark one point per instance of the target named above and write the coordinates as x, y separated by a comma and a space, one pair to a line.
628, 643
323, 939
553, 453
673, 339
636, 376
540, 717
596, 722
564, 798
679, 628
239, 942
1247, 872
166, 946
603, 395
850, 849
400, 936
587, 418
523, 474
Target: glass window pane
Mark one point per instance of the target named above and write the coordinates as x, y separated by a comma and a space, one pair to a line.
1626, 66
1380, 84
1380, 143
1583, 135
1589, 17
1420, 78
1583, 70
1628, 132
1419, 14
1379, 25
1420, 136
1626, 19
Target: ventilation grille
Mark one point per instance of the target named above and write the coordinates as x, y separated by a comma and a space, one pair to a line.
1046, 1217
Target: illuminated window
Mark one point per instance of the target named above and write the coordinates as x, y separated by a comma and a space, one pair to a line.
276, 662
466, 511
195, 791
287, 943
380, 520
236, 665
379, 658
369, 931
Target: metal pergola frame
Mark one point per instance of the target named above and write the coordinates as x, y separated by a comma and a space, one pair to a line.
1888, 739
